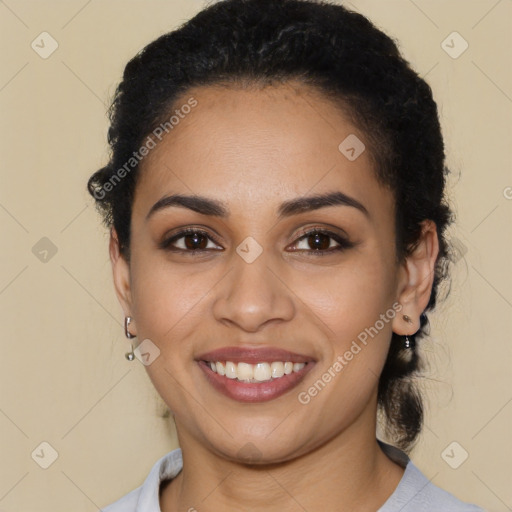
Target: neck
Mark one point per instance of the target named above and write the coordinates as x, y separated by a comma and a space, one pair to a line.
347, 473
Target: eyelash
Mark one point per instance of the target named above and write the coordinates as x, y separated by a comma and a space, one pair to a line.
343, 242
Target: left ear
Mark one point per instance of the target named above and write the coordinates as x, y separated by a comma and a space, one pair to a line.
417, 278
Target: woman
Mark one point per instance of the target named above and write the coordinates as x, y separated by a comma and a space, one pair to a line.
275, 196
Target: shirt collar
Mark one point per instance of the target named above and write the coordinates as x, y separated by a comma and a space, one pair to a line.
165, 468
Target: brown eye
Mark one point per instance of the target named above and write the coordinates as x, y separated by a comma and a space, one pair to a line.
320, 242
188, 240
195, 241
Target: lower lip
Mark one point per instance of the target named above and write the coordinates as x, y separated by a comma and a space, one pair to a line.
254, 391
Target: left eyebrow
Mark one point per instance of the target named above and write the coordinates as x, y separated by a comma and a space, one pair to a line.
213, 207
310, 203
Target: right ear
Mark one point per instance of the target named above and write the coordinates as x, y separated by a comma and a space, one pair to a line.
121, 274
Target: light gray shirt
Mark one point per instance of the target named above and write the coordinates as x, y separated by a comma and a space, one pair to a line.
414, 493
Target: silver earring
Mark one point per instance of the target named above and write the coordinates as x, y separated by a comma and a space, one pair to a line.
127, 320
409, 343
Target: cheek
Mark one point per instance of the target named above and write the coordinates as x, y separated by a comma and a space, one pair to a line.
355, 302
351, 296
167, 300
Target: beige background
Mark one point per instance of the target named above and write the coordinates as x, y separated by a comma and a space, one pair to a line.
64, 379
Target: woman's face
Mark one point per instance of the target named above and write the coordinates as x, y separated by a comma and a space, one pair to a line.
249, 281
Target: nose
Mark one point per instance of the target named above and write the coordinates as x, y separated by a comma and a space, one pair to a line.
253, 295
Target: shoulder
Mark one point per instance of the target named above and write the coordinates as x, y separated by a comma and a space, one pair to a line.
146, 497
128, 503
415, 493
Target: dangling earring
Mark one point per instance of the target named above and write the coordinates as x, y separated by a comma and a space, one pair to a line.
127, 320
409, 343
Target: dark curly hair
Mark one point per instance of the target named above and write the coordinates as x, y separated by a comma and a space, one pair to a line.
346, 58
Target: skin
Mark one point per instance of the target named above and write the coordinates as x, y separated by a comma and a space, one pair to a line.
252, 150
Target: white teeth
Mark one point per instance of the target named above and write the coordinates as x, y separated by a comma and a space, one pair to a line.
220, 369
259, 372
277, 369
244, 372
262, 372
230, 370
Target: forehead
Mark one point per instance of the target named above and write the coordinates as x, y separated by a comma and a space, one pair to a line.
248, 145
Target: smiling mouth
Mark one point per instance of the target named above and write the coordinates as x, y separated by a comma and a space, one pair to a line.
258, 382
254, 373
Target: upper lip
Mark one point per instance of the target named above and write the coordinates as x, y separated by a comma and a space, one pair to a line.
253, 355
